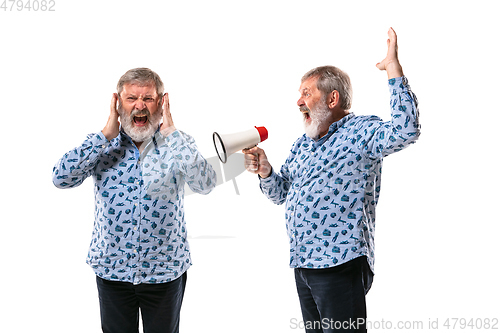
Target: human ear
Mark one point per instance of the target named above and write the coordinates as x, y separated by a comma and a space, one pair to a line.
333, 99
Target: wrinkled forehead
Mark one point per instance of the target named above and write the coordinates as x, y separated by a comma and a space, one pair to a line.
139, 89
309, 85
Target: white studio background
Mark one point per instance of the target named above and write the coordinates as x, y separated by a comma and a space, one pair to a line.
229, 66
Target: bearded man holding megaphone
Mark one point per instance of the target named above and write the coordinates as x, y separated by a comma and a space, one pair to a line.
330, 185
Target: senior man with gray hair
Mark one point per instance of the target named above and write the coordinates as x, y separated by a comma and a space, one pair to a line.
139, 249
330, 185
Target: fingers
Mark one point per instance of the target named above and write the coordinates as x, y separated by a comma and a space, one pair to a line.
167, 116
391, 62
168, 124
114, 100
112, 127
256, 162
251, 159
252, 150
166, 102
392, 35
392, 42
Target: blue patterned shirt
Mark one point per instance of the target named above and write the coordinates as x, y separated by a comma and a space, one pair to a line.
331, 186
139, 231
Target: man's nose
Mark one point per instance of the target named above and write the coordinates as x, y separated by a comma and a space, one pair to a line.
139, 104
300, 102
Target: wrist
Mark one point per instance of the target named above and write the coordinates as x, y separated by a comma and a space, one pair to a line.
264, 175
166, 131
394, 70
108, 134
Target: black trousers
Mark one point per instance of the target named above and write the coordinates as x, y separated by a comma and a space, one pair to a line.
333, 299
160, 306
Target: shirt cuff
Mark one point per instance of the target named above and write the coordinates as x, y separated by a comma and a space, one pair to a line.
98, 140
398, 84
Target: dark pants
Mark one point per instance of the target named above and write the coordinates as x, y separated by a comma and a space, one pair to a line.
333, 299
160, 306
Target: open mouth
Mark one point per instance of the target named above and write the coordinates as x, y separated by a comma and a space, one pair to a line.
306, 115
140, 120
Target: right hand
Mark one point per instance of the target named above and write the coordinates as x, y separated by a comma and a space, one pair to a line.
391, 62
112, 127
256, 162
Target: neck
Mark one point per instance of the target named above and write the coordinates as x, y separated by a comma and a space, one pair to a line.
339, 115
336, 116
139, 146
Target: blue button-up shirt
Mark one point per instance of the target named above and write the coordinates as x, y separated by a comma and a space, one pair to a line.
331, 186
139, 231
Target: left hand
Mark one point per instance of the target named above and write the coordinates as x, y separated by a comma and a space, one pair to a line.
391, 62
167, 127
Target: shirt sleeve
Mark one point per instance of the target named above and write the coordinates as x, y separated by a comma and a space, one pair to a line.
78, 164
196, 171
403, 129
276, 186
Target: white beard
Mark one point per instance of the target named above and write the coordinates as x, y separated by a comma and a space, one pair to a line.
319, 117
139, 134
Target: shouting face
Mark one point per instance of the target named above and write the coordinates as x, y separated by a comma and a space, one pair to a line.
140, 111
313, 106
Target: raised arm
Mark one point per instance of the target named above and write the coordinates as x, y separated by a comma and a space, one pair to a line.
403, 128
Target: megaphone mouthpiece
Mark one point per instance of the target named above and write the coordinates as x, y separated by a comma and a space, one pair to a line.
227, 144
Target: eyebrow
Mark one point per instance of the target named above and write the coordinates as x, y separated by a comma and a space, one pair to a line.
133, 95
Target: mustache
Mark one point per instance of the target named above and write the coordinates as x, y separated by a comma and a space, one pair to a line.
143, 112
135, 112
304, 108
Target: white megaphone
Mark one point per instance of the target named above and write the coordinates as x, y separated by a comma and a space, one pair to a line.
227, 144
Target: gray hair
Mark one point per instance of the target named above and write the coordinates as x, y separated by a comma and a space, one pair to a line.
142, 77
331, 78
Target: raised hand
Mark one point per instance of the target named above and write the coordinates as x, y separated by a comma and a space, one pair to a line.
112, 127
167, 127
391, 62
